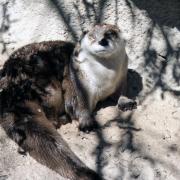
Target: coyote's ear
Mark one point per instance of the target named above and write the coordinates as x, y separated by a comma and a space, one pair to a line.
82, 35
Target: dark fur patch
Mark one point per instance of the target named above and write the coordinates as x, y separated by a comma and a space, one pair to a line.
31, 97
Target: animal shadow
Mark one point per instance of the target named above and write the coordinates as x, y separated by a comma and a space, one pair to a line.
134, 87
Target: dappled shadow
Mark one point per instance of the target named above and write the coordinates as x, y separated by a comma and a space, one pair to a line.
59, 5
156, 64
5, 25
142, 156
99, 151
3, 177
163, 13
93, 14
90, 11
128, 127
126, 124
140, 160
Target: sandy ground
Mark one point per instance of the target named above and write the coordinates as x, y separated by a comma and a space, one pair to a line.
142, 144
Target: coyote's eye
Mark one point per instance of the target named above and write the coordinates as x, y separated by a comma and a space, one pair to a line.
111, 33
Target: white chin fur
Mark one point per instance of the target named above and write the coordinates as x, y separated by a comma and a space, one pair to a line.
97, 49
100, 50
103, 52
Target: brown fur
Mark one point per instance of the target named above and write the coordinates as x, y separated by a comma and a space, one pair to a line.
37, 91
99, 70
42, 87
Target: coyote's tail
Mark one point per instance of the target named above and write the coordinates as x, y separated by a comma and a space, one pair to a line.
28, 126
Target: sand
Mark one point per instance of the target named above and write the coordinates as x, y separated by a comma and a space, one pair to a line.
142, 144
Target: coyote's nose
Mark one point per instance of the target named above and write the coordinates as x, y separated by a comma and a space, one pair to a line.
104, 42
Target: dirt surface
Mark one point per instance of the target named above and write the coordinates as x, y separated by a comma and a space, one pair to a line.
142, 144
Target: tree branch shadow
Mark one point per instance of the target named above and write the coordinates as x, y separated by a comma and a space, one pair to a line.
162, 13
5, 26
58, 4
156, 66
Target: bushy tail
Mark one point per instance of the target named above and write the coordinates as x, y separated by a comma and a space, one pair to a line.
29, 127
